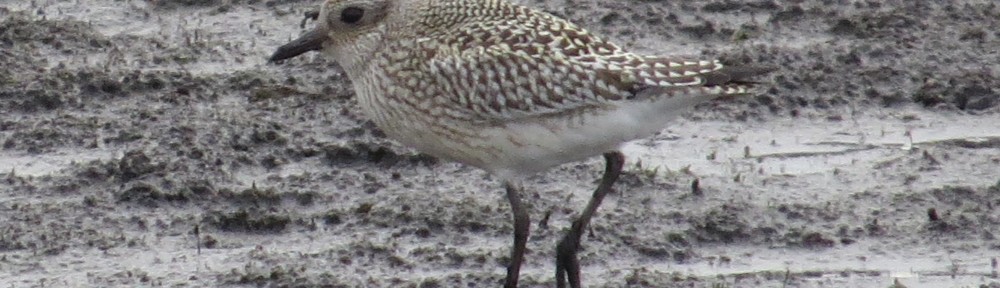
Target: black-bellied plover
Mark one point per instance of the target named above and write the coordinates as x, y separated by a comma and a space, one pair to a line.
508, 89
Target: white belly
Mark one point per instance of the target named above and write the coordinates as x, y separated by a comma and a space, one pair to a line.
528, 145
525, 147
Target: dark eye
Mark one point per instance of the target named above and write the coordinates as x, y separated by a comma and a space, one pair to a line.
352, 15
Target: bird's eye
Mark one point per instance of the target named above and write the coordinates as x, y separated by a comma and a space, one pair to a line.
352, 15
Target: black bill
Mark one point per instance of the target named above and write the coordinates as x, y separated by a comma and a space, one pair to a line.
311, 41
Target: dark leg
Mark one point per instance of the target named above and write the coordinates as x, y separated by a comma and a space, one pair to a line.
567, 265
521, 226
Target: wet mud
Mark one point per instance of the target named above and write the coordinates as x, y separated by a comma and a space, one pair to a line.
148, 143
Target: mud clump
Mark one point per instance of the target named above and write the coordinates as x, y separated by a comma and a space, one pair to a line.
25, 85
247, 222
958, 207
876, 25
364, 152
21, 31
266, 197
816, 240
722, 224
136, 164
972, 91
729, 6
149, 195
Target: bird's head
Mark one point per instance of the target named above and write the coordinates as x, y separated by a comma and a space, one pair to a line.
349, 27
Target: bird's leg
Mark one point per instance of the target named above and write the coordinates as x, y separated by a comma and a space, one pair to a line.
521, 225
567, 264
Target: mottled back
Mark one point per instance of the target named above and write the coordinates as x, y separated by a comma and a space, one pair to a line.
501, 61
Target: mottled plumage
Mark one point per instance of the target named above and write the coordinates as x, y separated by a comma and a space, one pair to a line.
506, 88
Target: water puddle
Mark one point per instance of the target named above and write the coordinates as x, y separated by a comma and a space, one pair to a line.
805, 146
24, 164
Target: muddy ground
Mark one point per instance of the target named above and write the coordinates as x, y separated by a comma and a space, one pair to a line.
147, 143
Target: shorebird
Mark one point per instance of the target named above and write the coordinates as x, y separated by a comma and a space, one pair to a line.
508, 89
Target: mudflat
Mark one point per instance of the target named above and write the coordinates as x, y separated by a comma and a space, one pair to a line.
149, 143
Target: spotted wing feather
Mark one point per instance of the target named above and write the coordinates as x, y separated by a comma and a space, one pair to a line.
522, 63
500, 83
